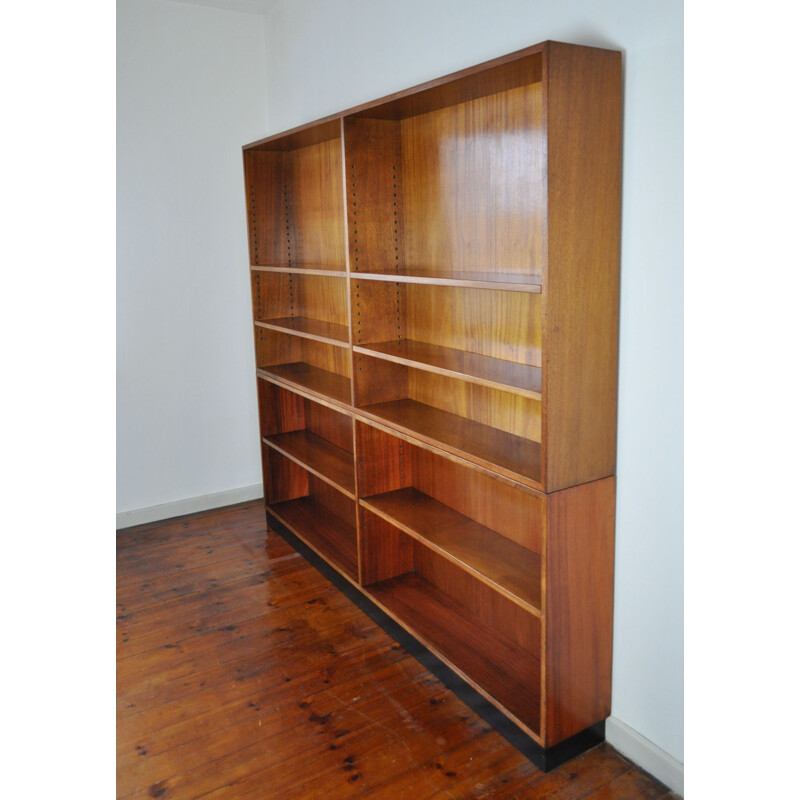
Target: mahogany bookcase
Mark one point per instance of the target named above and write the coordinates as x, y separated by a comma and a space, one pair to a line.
435, 283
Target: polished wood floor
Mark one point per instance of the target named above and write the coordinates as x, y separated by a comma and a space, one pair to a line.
243, 673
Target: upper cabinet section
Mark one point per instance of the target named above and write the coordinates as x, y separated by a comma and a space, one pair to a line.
453, 261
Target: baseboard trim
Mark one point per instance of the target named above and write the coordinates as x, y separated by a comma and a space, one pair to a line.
143, 516
645, 754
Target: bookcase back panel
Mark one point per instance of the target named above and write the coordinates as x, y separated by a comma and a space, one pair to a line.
323, 298
373, 195
382, 465
266, 209
519, 416
503, 325
281, 411
315, 198
281, 295
487, 605
273, 347
272, 295
386, 552
508, 74
333, 426
378, 309
337, 504
327, 357
378, 381
284, 479
512, 512
473, 184
277, 348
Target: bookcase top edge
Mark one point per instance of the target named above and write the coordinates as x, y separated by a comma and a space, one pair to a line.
405, 102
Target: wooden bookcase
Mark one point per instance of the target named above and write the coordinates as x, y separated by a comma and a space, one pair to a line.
435, 281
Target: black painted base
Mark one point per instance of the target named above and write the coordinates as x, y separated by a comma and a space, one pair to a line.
545, 759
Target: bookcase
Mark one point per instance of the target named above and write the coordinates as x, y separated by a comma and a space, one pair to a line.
435, 281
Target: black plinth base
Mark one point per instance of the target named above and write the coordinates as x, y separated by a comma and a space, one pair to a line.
545, 759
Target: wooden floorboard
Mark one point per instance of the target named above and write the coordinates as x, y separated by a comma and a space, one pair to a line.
244, 673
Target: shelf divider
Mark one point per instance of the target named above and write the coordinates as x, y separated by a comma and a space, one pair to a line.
327, 332
505, 281
329, 272
495, 373
317, 381
488, 447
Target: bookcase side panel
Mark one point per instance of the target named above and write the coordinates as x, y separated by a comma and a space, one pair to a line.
580, 339
578, 607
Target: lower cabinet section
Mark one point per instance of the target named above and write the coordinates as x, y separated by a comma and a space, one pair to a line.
508, 586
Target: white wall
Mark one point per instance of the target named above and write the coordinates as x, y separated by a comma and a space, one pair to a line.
324, 57
190, 92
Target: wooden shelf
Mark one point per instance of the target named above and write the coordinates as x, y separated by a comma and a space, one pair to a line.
491, 661
328, 272
317, 381
326, 533
495, 373
507, 281
328, 462
492, 448
328, 332
512, 570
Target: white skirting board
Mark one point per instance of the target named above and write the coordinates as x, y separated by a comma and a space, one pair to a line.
141, 516
645, 754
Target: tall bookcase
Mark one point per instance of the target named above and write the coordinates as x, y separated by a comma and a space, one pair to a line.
435, 300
